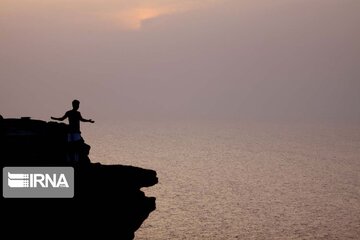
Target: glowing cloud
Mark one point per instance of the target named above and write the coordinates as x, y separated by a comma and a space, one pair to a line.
128, 14
133, 17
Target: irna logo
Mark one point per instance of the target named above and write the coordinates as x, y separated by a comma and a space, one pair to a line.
21, 180
38, 182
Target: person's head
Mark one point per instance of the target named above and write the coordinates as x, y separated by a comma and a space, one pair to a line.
76, 104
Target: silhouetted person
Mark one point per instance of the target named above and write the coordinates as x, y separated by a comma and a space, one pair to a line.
74, 117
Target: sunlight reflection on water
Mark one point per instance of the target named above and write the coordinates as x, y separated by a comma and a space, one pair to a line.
242, 181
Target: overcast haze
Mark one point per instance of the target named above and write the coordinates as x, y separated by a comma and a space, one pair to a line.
258, 59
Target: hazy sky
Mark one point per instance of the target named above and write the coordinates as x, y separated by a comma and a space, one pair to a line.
266, 59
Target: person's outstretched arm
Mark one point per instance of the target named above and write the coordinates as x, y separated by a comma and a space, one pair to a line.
60, 119
86, 120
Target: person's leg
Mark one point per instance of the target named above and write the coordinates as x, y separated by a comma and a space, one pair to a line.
73, 154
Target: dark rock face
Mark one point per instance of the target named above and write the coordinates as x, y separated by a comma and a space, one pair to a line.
107, 200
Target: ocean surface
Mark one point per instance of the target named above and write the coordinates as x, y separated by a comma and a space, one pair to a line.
241, 180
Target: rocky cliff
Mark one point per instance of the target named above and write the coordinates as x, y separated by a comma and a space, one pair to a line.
108, 199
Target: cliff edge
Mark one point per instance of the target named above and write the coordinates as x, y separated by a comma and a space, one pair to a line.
107, 199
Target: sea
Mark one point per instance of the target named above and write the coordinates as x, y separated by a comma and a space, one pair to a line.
236, 180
